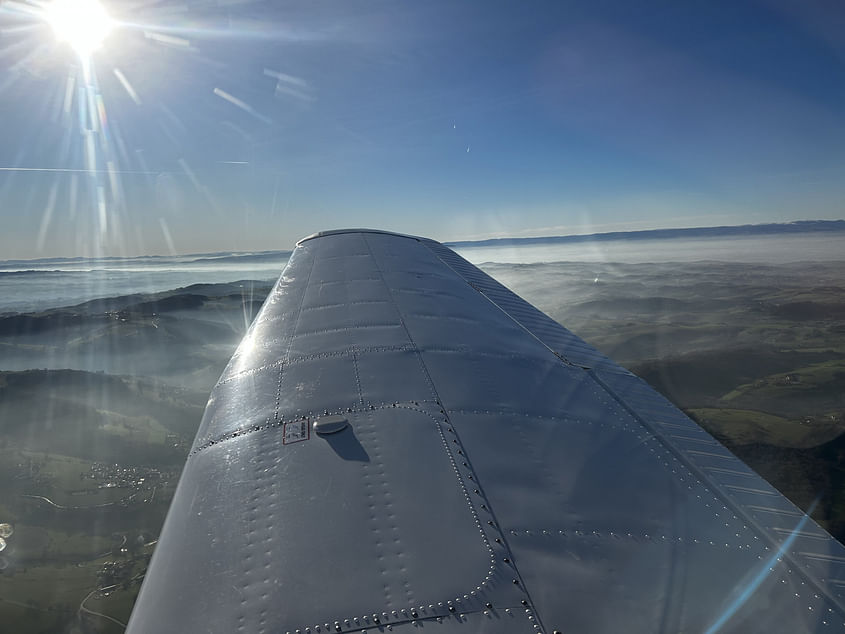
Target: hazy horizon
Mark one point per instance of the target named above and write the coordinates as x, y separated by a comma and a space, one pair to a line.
601, 237
33, 285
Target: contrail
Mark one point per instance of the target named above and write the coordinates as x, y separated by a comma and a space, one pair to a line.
241, 104
79, 170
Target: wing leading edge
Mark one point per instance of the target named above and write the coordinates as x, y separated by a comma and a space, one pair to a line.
495, 474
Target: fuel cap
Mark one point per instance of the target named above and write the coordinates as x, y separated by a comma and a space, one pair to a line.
330, 425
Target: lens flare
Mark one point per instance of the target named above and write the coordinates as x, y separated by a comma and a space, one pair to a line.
83, 24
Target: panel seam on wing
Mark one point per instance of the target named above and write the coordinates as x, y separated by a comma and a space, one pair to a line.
362, 302
321, 331
310, 416
301, 358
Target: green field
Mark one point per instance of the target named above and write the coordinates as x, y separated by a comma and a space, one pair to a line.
84, 491
745, 427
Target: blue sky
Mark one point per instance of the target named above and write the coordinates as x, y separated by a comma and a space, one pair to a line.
246, 125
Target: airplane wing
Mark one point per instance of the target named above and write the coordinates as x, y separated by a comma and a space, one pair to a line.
402, 444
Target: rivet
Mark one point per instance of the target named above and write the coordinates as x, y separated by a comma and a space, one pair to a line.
451, 608
506, 560
498, 541
524, 602
489, 605
516, 582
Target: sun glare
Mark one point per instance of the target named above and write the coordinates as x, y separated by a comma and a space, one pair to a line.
83, 24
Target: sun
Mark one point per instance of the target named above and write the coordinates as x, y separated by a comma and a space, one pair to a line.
83, 24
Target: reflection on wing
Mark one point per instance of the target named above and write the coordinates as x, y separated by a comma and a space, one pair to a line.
474, 467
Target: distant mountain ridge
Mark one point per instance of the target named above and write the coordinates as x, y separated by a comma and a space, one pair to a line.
798, 226
254, 257
229, 257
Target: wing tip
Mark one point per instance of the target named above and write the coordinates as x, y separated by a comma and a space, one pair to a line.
334, 232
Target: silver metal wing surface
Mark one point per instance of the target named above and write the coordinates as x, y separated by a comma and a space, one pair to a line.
402, 444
